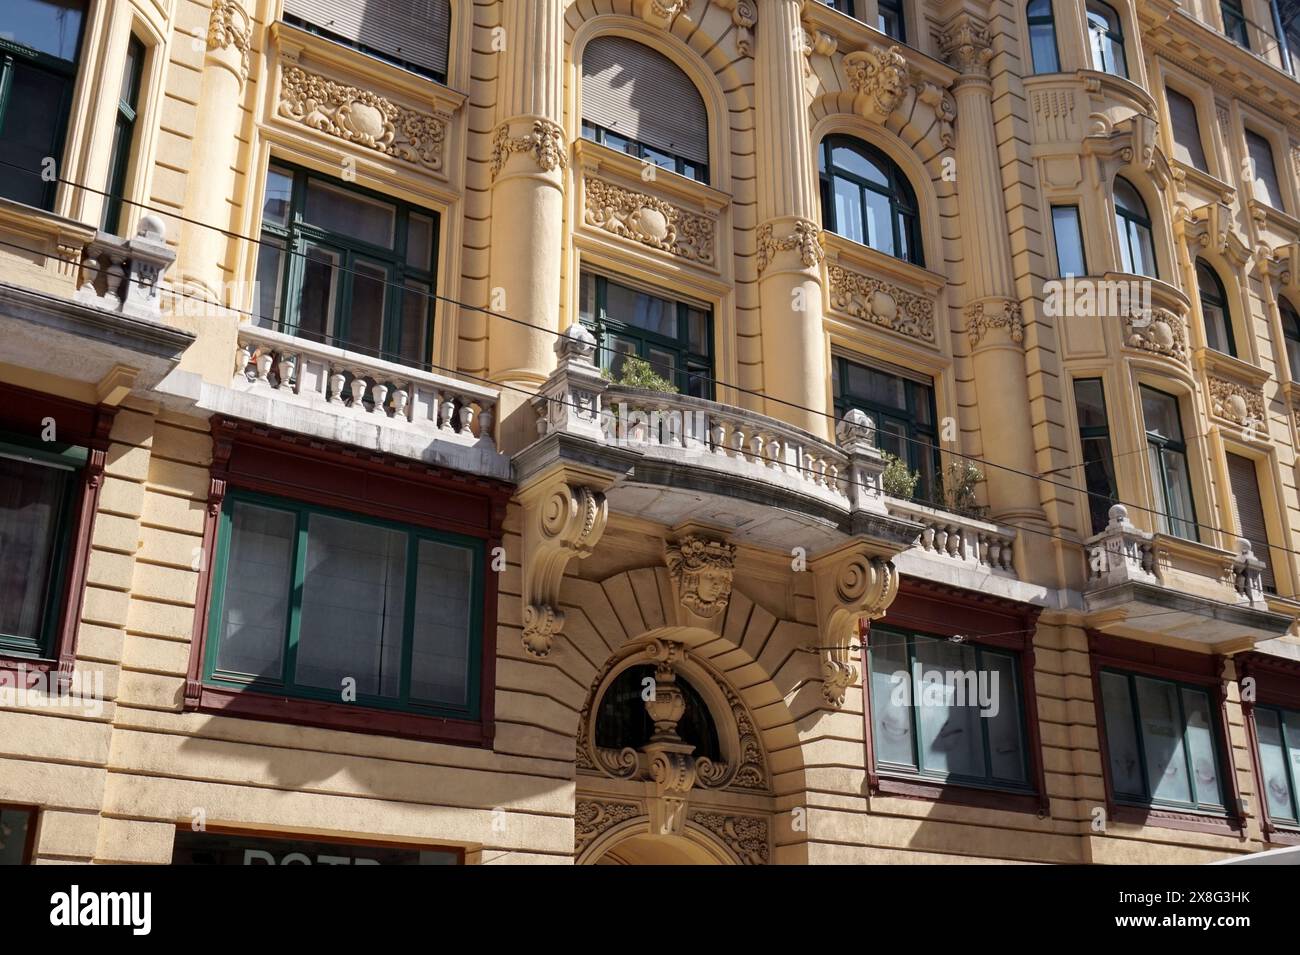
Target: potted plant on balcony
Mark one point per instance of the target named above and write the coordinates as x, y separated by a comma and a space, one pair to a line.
959, 481
897, 480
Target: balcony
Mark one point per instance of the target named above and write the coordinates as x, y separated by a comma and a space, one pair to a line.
333, 394
109, 333
1156, 586
675, 459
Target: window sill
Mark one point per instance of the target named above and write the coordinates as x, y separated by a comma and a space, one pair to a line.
1282, 837
10, 663
959, 795
1185, 820
249, 704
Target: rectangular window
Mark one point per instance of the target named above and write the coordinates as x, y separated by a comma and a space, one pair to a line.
40, 41
123, 135
1278, 733
1042, 37
38, 486
1188, 147
890, 19
1248, 509
413, 34
1164, 749
675, 339
1068, 232
1098, 464
348, 267
947, 711
683, 166
17, 835
1263, 171
318, 604
903, 409
215, 847
1234, 22
1167, 458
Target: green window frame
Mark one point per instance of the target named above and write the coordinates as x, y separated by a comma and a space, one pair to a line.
891, 651
1043, 49
67, 462
1098, 462
672, 162
685, 358
1234, 22
1214, 310
906, 429
1204, 796
311, 277
123, 134
861, 191
1277, 737
1169, 463
286, 681
36, 89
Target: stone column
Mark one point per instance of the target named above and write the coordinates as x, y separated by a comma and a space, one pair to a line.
529, 156
993, 315
789, 247
203, 248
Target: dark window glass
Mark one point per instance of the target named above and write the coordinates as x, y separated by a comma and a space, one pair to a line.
1163, 745
1167, 459
346, 267
36, 509
1136, 250
1068, 232
1098, 463
890, 19
1042, 37
123, 135
1291, 333
903, 410
1214, 310
866, 198
312, 603
1106, 39
17, 830
948, 711
674, 338
1264, 172
1234, 22
622, 720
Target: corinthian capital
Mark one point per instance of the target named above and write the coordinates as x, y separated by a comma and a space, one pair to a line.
966, 44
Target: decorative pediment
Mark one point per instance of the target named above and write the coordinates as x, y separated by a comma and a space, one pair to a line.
1281, 264
1211, 227
879, 78
1132, 140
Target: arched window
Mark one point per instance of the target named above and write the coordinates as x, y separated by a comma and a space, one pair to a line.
1106, 38
622, 720
638, 101
866, 198
1214, 310
1291, 333
1042, 37
1133, 224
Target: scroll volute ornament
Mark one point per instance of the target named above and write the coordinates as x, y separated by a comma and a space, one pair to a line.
852, 584
562, 520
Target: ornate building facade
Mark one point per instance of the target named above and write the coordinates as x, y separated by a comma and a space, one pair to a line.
622, 431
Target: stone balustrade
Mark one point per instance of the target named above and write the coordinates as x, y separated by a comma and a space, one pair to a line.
965, 540
309, 373
125, 275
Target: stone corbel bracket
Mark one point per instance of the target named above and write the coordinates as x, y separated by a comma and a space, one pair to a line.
564, 518
1211, 227
852, 584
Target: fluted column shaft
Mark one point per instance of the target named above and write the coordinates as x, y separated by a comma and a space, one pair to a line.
994, 322
203, 247
529, 157
789, 241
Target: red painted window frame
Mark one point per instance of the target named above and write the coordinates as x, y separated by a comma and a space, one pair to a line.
937, 610
1185, 666
1277, 683
23, 412
257, 458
